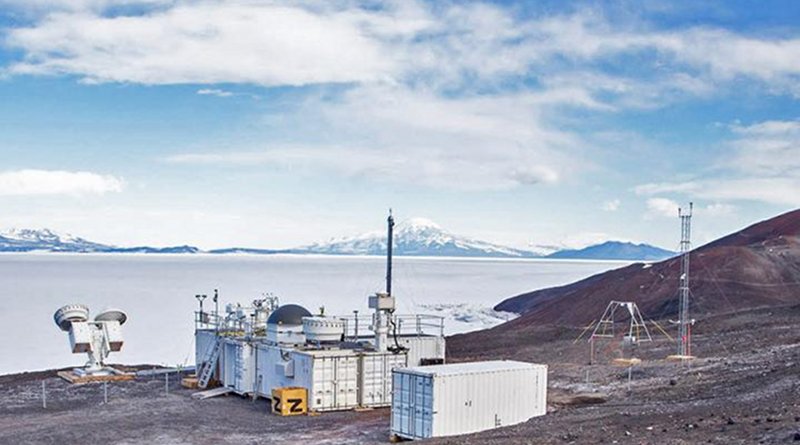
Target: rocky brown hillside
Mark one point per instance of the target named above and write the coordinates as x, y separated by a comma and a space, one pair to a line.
757, 266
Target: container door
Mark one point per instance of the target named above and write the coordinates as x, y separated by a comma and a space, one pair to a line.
346, 382
229, 365
422, 406
391, 362
370, 380
322, 378
427, 407
402, 404
238, 369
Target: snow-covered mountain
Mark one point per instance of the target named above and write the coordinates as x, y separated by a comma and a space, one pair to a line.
27, 240
417, 237
46, 240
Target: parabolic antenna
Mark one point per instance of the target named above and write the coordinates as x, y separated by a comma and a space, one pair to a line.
69, 313
112, 315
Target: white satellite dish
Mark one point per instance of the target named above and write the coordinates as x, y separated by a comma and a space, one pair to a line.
69, 313
112, 315
96, 338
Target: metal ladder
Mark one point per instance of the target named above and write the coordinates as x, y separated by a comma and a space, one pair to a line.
207, 369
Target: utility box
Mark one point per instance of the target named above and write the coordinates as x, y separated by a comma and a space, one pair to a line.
462, 398
381, 301
289, 401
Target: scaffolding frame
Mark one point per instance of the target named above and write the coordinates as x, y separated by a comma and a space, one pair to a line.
636, 329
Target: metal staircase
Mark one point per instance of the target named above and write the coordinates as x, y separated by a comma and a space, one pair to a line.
208, 366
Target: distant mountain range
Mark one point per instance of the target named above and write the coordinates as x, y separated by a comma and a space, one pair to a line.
45, 240
615, 250
418, 237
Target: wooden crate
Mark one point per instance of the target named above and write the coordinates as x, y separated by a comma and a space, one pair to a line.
76, 379
191, 382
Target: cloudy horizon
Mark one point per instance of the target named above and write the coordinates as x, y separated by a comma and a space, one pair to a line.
273, 123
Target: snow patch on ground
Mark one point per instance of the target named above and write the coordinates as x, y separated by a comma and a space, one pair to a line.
465, 317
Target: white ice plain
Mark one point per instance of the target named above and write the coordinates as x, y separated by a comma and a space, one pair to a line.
157, 292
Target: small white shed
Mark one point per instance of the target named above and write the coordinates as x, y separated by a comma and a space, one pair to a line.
461, 398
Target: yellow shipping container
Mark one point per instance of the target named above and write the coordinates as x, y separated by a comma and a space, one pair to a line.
289, 401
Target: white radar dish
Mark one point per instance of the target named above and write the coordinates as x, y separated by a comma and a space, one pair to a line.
112, 315
69, 313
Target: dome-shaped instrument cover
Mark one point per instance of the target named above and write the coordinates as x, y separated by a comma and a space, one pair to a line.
288, 314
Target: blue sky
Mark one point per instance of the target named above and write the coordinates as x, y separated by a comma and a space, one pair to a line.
272, 124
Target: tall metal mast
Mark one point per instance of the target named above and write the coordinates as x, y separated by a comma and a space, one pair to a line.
389, 242
383, 303
684, 337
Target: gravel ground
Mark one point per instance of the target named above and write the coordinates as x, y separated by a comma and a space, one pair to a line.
743, 388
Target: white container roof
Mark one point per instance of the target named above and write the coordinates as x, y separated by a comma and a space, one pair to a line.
469, 368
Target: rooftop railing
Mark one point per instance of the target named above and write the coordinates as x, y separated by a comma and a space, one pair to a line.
407, 324
354, 326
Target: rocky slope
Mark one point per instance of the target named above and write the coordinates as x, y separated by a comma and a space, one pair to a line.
757, 266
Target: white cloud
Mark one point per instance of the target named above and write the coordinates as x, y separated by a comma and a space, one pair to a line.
47, 6
611, 206
770, 148
214, 92
394, 134
762, 164
289, 43
56, 182
206, 42
667, 187
717, 209
662, 207
401, 112
779, 190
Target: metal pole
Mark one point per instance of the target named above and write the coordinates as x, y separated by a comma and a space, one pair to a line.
166, 383
105, 392
389, 242
355, 333
44, 396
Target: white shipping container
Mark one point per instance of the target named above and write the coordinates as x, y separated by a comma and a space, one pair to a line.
462, 398
376, 377
422, 347
331, 378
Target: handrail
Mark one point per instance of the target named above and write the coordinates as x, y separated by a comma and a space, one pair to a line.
407, 324
354, 326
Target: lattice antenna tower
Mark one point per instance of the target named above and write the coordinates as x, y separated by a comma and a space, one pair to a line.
684, 323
